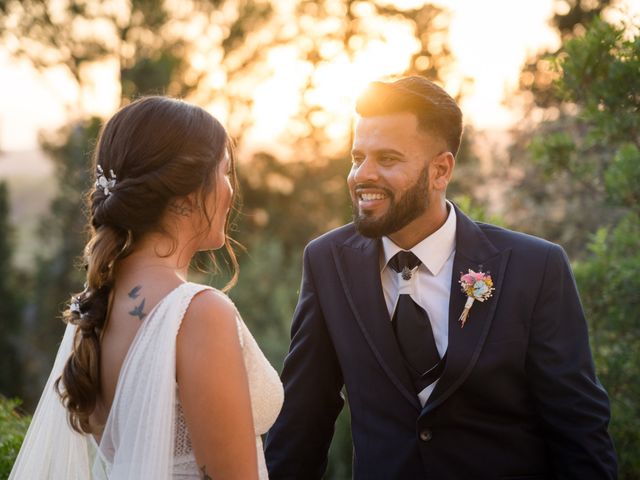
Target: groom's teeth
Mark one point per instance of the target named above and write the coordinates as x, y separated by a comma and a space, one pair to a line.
371, 196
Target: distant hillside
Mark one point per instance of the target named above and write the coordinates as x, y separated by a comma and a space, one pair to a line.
31, 187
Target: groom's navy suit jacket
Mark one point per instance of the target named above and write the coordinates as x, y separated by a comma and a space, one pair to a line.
518, 398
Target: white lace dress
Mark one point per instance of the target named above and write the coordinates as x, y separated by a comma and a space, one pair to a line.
145, 435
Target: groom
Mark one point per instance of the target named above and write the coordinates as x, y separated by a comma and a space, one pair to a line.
496, 381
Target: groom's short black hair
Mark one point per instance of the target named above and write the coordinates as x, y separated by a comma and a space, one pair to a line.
436, 110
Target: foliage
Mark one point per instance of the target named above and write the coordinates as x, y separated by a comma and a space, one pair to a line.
13, 427
62, 234
10, 306
610, 289
600, 73
148, 40
292, 201
537, 75
623, 177
588, 115
476, 211
556, 195
267, 294
599, 77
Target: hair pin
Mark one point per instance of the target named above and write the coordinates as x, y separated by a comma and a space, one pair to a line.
106, 184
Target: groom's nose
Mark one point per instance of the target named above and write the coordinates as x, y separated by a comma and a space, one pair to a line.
366, 171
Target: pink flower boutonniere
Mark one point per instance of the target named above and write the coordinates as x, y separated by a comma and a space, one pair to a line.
477, 286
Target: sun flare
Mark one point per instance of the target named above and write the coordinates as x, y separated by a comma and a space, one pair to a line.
335, 83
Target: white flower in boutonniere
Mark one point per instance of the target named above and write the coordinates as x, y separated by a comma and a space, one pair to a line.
477, 286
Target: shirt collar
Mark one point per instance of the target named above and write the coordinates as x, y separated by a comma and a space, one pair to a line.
433, 251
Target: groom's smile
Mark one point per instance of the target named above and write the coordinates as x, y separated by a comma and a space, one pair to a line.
371, 199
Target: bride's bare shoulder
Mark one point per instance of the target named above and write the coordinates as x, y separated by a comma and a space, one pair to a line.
210, 313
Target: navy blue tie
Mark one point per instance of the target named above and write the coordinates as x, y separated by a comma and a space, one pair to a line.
413, 329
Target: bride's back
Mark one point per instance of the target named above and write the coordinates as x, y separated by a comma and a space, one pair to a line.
135, 294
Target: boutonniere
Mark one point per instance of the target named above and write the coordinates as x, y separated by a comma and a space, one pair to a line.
477, 286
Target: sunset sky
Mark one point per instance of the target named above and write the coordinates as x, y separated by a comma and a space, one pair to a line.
490, 40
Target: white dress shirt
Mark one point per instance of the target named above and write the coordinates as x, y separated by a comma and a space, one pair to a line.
429, 286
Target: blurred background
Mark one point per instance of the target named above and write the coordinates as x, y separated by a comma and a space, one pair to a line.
551, 94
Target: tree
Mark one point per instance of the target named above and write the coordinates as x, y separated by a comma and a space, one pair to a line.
570, 19
62, 235
150, 44
10, 306
534, 205
599, 78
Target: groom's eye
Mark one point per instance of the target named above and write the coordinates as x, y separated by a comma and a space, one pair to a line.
387, 159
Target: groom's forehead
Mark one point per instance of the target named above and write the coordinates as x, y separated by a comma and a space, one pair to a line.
394, 124
383, 131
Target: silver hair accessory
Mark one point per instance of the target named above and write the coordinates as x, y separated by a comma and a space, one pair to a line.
106, 184
74, 306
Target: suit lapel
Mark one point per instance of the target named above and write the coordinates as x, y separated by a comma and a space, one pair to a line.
475, 252
358, 266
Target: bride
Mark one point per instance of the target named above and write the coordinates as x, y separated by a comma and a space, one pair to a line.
155, 377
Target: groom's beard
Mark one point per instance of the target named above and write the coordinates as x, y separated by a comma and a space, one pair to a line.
406, 209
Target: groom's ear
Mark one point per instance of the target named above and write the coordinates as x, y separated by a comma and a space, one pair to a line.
441, 170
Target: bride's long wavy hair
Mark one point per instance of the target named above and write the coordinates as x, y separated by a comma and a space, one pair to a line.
159, 149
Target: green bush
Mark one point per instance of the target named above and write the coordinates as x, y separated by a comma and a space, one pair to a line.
599, 79
610, 288
13, 427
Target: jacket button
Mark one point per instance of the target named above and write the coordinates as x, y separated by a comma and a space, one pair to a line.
426, 435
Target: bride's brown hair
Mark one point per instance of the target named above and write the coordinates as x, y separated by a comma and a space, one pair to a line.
159, 149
